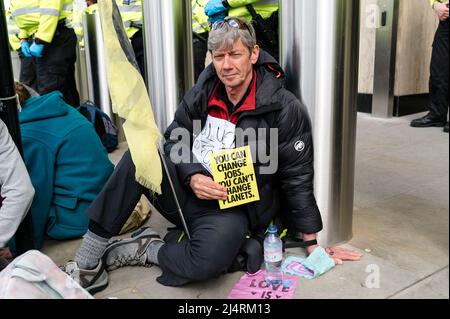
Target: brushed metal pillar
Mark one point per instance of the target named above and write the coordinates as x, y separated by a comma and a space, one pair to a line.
319, 45
81, 75
385, 54
16, 65
169, 55
95, 63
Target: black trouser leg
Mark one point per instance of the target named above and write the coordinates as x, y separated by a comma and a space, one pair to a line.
27, 71
200, 45
115, 203
216, 238
270, 45
137, 42
55, 70
440, 72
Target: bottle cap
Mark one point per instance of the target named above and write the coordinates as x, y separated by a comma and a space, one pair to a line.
273, 229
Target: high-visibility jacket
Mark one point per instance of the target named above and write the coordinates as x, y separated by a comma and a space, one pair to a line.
200, 22
13, 32
77, 23
131, 12
432, 2
263, 7
40, 17
77, 20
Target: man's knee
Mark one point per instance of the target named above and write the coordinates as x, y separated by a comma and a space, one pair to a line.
215, 255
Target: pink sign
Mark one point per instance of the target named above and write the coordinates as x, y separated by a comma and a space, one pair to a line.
255, 287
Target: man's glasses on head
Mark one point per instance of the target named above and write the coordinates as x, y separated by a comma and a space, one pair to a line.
232, 22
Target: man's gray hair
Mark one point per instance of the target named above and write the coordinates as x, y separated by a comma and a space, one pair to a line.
225, 36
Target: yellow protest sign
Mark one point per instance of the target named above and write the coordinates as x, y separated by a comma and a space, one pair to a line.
234, 170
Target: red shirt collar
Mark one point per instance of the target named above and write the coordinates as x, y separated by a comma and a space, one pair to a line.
218, 108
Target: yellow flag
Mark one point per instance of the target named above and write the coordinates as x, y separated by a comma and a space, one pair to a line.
131, 102
234, 170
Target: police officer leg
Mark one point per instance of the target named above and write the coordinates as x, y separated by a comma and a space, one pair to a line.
56, 66
27, 71
200, 45
137, 42
440, 72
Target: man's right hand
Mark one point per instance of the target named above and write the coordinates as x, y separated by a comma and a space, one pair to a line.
441, 10
205, 188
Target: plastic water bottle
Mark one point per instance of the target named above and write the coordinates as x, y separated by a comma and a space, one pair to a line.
273, 257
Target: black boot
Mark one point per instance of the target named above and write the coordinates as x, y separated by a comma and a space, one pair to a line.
429, 120
446, 128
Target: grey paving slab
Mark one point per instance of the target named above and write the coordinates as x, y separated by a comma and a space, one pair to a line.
128, 278
433, 287
129, 293
370, 278
405, 231
61, 251
349, 281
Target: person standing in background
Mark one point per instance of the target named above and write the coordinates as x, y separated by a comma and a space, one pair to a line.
438, 108
45, 36
200, 28
263, 14
27, 67
131, 12
79, 7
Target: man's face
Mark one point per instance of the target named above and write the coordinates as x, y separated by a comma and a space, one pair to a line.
90, 2
234, 67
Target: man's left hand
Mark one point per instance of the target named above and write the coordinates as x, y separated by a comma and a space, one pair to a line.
339, 255
36, 50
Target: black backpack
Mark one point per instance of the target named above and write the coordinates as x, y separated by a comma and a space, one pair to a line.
103, 125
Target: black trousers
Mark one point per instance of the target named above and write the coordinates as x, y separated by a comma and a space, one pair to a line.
56, 69
439, 72
216, 236
262, 39
27, 71
137, 42
200, 45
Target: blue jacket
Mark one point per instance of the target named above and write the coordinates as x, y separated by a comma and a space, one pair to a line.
67, 163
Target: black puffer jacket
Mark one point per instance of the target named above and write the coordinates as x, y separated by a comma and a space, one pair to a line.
289, 192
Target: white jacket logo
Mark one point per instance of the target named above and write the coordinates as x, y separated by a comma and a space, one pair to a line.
299, 146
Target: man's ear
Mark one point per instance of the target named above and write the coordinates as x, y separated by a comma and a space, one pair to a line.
255, 54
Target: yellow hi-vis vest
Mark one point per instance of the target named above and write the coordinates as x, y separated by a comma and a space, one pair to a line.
13, 32
131, 12
432, 2
200, 22
77, 21
40, 17
265, 8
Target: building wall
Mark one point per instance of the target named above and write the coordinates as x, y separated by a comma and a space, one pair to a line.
367, 46
417, 24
